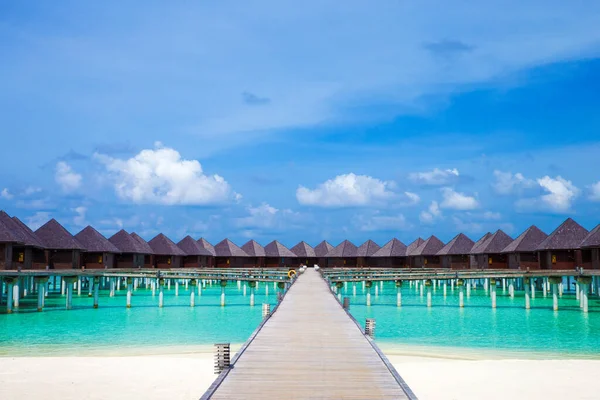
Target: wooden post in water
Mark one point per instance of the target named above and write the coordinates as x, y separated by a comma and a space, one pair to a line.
223, 285
346, 303
16, 292
222, 357
398, 293
428, 284
493, 291
176, 287
445, 287
527, 286
129, 290
112, 287
10, 287
96, 282
461, 294
161, 295
41, 283
69, 281
511, 288
192, 294
554, 281
468, 285
368, 285
266, 310
252, 285
584, 282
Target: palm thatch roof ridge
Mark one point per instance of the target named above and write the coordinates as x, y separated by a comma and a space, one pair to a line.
94, 242
393, 248
54, 236
568, 236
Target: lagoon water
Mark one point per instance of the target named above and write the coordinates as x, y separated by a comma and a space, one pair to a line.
112, 329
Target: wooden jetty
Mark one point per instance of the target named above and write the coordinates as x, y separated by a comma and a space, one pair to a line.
309, 348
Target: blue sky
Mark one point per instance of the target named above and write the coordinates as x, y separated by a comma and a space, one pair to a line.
273, 121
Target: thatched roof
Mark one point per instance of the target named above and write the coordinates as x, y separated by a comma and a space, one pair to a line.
480, 242
206, 245
429, 247
568, 236
144, 245
8, 234
31, 238
367, 249
125, 243
276, 249
592, 239
344, 249
494, 244
54, 236
226, 248
393, 248
527, 241
253, 249
460, 244
162, 245
323, 248
413, 246
303, 249
192, 248
94, 242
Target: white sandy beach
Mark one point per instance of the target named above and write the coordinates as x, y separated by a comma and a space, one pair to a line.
187, 376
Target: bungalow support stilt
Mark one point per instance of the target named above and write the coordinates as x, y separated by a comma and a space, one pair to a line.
10, 287
461, 294
96, 283
161, 292
493, 292
129, 290
428, 284
223, 285
527, 288
398, 293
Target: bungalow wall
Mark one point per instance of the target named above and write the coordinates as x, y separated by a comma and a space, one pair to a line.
5, 255
338, 262
95, 260
322, 262
389, 262
524, 261
28, 258
230, 262
426, 262
279, 262
195, 262
296, 262
489, 261
63, 259
165, 262
458, 261
129, 260
590, 258
560, 259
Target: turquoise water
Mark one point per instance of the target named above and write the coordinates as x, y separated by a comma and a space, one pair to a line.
509, 328
112, 329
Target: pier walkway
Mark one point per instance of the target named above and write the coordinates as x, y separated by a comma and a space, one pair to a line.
309, 348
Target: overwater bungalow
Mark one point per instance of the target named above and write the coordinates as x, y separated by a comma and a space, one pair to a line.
166, 252
148, 252
455, 254
478, 244
196, 256
62, 249
321, 251
8, 239
279, 256
230, 255
411, 248
560, 250
29, 253
211, 249
131, 252
425, 255
391, 255
488, 255
255, 252
343, 255
522, 252
364, 253
306, 255
98, 252
590, 249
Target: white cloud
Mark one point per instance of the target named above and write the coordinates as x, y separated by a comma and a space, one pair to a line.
467, 226
507, 183
595, 191
161, 176
561, 193
436, 177
490, 215
412, 198
432, 213
347, 190
5, 194
266, 216
29, 190
66, 177
38, 219
79, 219
378, 222
458, 201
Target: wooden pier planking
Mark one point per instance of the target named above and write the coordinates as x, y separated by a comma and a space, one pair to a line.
310, 348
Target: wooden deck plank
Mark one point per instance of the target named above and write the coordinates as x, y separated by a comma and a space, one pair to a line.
310, 349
